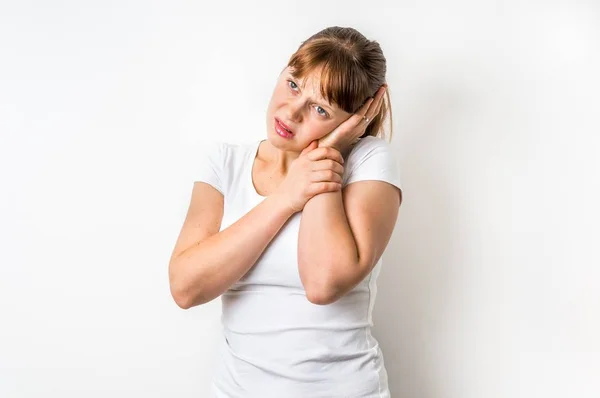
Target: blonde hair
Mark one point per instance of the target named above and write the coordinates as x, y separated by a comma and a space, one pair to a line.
352, 70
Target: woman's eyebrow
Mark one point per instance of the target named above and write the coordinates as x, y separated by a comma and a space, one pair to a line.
321, 101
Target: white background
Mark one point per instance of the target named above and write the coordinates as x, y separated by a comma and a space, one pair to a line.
490, 285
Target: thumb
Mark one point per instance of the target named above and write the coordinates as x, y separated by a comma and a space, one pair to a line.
313, 145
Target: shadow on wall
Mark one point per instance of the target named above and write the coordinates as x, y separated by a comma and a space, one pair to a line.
418, 285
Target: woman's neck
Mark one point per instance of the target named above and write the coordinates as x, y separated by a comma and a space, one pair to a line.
275, 161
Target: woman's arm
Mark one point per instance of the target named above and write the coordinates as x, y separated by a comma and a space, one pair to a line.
212, 261
343, 235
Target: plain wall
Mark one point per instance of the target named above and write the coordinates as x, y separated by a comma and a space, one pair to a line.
490, 283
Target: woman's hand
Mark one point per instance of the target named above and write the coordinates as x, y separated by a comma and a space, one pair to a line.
315, 171
349, 132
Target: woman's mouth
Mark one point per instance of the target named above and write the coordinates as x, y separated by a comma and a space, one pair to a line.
281, 130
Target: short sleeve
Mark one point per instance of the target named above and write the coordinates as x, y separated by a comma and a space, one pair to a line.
372, 158
208, 166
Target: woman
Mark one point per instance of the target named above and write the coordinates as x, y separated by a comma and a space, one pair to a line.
290, 230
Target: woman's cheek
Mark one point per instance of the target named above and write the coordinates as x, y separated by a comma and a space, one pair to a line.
319, 132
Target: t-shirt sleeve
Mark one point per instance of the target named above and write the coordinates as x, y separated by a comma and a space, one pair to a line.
372, 158
209, 165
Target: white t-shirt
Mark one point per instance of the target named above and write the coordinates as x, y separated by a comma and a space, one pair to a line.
276, 343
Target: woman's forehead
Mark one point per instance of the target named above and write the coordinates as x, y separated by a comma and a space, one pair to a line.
312, 80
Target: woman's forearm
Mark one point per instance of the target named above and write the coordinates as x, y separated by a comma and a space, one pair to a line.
206, 270
326, 246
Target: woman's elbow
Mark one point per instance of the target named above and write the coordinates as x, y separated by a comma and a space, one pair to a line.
321, 296
181, 297
181, 293
186, 299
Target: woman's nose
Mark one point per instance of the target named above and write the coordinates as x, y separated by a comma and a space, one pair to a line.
294, 109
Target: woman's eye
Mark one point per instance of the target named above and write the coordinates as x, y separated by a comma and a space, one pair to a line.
294, 86
324, 112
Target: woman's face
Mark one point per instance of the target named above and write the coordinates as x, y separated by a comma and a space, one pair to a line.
299, 105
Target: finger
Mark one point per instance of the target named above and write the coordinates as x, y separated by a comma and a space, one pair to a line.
376, 104
334, 154
326, 176
322, 187
374, 114
317, 153
363, 109
313, 144
328, 164
371, 107
325, 152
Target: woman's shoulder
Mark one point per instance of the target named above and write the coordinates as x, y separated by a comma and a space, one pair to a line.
367, 146
220, 163
372, 141
236, 146
228, 151
372, 158
223, 155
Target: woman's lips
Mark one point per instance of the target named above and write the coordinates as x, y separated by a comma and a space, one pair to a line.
279, 128
285, 126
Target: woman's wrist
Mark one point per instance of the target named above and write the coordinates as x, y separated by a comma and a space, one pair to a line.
279, 204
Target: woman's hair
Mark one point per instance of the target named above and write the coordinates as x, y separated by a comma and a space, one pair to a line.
352, 70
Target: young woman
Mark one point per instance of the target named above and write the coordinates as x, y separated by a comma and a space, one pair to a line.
289, 231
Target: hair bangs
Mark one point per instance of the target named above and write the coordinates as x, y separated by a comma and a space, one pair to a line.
342, 80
